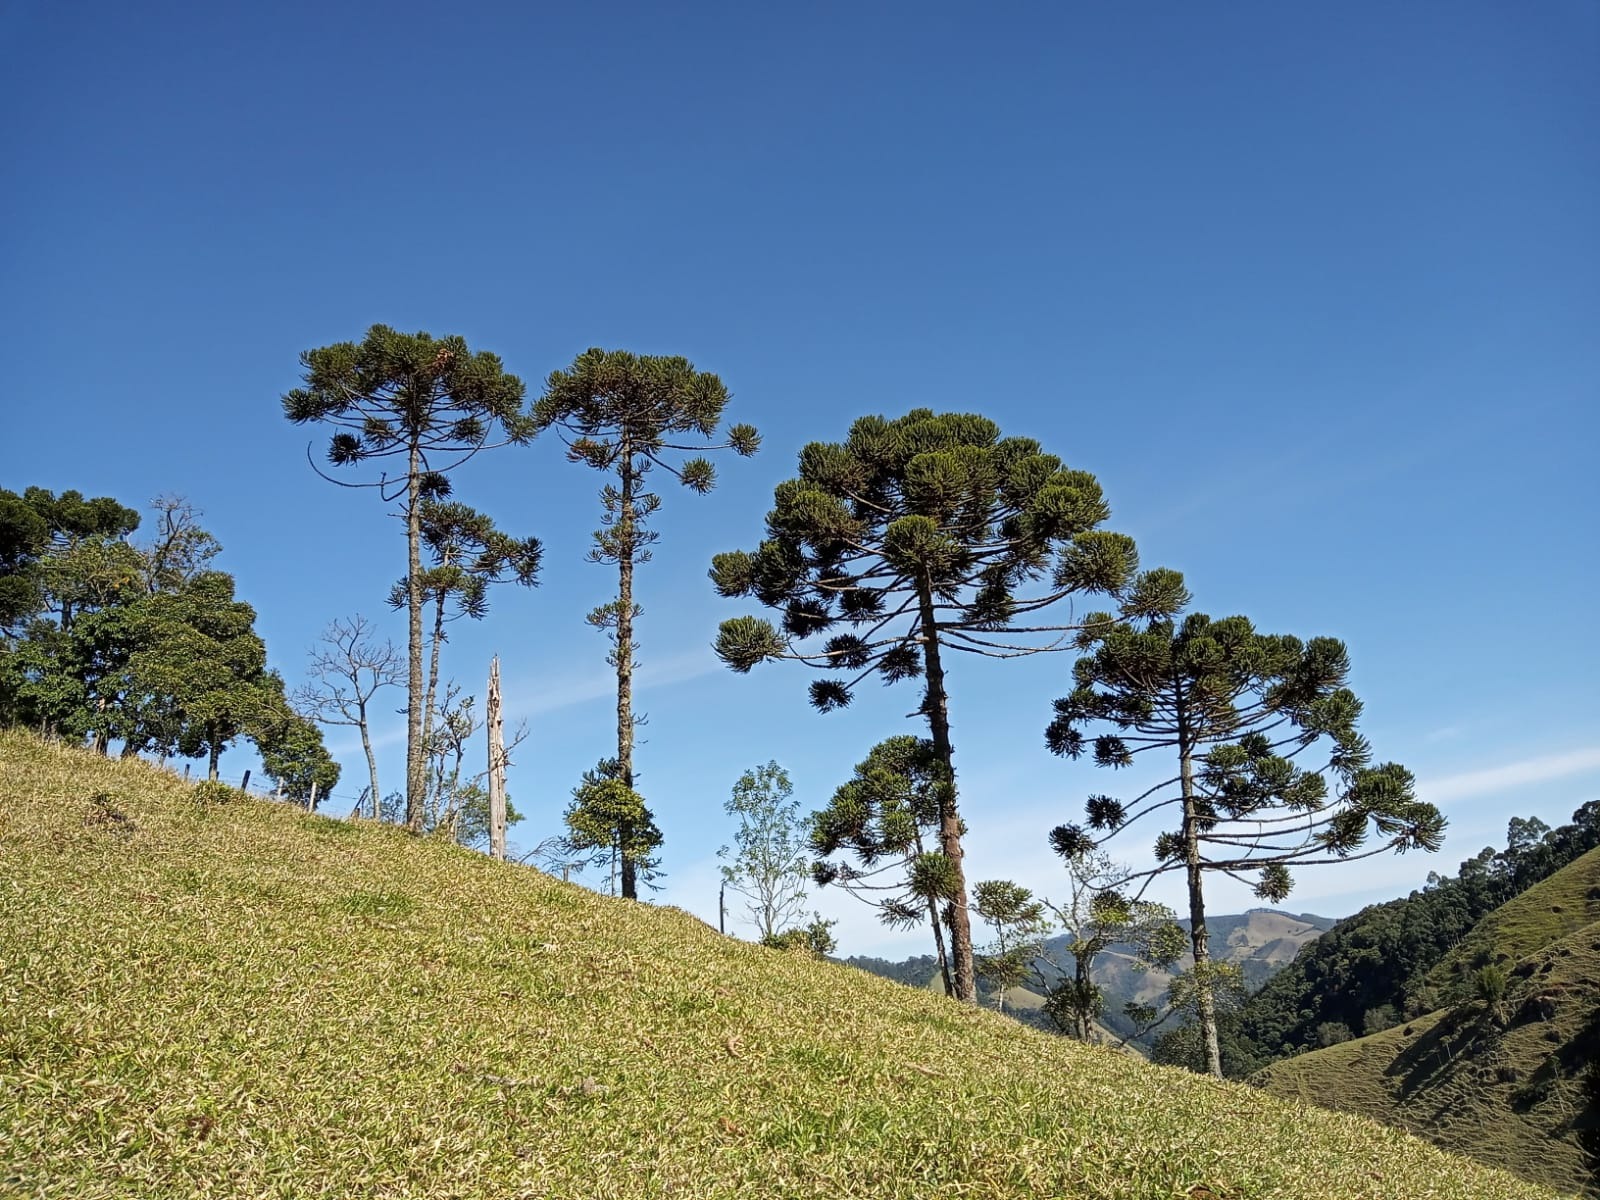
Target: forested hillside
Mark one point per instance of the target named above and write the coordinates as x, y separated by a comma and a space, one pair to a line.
1507, 1069
1381, 966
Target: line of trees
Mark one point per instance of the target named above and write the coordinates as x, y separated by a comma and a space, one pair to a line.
913, 541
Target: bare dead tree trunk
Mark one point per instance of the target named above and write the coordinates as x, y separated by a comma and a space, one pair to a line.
497, 764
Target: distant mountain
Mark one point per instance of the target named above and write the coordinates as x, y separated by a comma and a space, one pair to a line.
1260, 942
1513, 1079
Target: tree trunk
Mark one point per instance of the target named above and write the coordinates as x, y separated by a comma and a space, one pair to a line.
433, 670
416, 764
938, 931
497, 764
1204, 996
937, 706
216, 754
624, 657
372, 759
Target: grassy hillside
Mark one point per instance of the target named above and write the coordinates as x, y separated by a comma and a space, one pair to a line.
1551, 909
241, 1000
1505, 1084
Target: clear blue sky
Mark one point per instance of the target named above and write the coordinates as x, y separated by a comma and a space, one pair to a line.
1315, 291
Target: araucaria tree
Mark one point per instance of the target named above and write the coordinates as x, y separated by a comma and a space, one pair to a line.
627, 415
886, 818
1264, 768
917, 536
767, 864
427, 405
609, 825
468, 554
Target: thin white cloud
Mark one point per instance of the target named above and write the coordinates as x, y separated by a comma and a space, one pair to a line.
1517, 774
572, 688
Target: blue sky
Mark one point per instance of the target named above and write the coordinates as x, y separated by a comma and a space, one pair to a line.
1313, 291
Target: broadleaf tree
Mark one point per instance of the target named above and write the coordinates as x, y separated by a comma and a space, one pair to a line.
629, 415
922, 536
428, 405
768, 863
1252, 729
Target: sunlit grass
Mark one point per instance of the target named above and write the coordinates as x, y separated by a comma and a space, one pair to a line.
239, 1000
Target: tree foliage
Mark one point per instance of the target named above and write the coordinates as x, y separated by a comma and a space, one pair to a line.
1254, 726
915, 536
429, 405
628, 415
768, 863
610, 824
885, 818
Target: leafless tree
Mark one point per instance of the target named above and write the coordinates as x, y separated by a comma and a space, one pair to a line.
348, 667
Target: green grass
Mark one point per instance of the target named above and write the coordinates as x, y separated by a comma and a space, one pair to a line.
1504, 1085
1551, 909
235, 999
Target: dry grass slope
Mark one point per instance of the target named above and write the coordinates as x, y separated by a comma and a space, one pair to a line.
239, 1000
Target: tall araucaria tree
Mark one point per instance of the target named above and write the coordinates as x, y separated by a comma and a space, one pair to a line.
468, 554
428, 405
628, 414
920, 535
1254, 728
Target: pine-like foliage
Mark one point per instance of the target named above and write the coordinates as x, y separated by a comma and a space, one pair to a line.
430, 404
917, 535
1260, 729
627, 415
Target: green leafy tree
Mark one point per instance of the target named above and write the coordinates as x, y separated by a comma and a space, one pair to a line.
1255, 726
468, 554
58, 552
293, 756
1020, 923
815, 938
431, 405
609, 823
921, 536
885, 818
199, 651
768, 863
628, 415
1095, 917
348, 668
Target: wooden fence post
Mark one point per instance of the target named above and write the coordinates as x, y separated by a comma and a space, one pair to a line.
495, 723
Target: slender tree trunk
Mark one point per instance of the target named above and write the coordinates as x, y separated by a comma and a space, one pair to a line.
372, 759
497, 764
1204, 996
433, 669
216, 755
938, 932
624, 656
937, 706
416, 763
